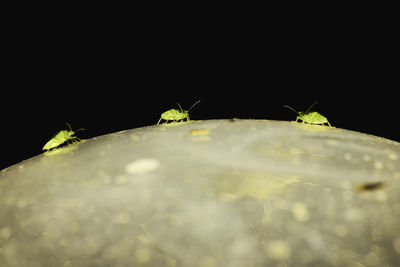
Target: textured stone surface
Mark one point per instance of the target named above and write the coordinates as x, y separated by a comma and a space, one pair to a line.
206, 193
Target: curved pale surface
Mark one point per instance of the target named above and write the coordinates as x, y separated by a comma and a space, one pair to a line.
206, 193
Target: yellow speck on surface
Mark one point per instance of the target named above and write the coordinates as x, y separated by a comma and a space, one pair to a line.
278, 250
378, 165
142, 166
134, 137
300, 212
199, 132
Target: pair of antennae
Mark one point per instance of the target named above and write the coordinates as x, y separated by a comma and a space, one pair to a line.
69, 126
190, 107
309, 108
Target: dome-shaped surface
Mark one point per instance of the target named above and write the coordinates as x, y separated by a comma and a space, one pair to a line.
206, 193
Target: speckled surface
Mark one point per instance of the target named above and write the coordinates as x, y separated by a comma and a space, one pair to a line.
206, 193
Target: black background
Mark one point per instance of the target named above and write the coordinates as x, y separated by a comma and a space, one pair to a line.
111, 70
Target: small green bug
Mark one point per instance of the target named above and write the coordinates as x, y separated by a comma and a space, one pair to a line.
310, 117
61, 137
176, 114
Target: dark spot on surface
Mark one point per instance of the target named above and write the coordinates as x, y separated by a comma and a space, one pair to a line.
365, 187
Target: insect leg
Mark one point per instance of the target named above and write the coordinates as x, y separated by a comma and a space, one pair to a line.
73, 140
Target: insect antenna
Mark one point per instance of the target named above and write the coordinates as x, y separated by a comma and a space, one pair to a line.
291, 109
69, 126
194, 105
180, 107
313, 104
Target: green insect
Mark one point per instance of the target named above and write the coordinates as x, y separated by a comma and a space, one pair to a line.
60, 138
310, 117
176, 114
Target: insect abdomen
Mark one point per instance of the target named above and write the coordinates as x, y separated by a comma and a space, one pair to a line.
315, 118
173, 114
